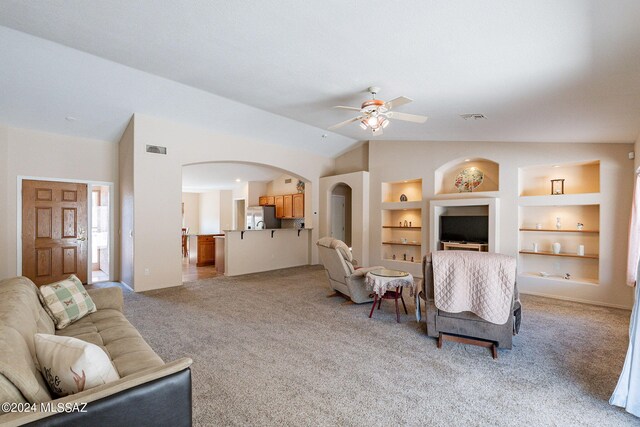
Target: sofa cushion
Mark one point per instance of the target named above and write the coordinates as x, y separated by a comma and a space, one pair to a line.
71, 365
66, 301
109, 329
21, 317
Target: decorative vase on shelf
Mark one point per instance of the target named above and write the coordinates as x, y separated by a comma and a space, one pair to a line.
580, 250
555, 248
580, 226
558, 223
403, 198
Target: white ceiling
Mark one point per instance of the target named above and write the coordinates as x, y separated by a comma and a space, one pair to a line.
222, 176
541, 71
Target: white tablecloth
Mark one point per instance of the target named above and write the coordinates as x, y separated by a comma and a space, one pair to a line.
380, 285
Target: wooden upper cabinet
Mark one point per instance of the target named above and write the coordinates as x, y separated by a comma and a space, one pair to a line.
279, 202
288, 206
298, 205
271, 200
263, 200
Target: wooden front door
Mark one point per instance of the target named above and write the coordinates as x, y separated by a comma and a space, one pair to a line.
54, 231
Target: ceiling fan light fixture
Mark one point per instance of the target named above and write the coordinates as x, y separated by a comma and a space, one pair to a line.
384, 122
373, 122
363, 125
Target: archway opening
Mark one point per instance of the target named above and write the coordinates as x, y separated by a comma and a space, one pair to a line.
341, 213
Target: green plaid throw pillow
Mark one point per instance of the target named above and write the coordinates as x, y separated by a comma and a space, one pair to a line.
66, 301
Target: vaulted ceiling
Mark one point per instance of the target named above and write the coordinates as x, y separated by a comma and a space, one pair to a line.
540, 71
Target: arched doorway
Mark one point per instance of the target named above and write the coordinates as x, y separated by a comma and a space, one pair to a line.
341, 213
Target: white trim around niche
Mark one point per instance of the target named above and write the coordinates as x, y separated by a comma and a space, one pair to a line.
437, 207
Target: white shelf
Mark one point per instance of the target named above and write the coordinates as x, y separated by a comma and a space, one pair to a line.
561, 200
401, 205
471, 195
559, 279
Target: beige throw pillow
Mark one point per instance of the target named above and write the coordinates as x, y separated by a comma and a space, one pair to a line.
70, 365
66, 301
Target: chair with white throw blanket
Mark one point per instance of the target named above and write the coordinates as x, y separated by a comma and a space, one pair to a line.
343, 276
471, 297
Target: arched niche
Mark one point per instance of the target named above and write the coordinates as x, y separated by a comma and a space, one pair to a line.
341, 212
445, 175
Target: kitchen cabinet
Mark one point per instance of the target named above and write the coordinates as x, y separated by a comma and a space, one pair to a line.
287, 206
266, 200
298, 205
202, 249
279, 202
287, 210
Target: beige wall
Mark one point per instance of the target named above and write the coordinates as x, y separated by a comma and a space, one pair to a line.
354, 160
226, 210
209, 206
125, 165
191, 217
255, 189
278, 186
403, 160
158, 181
6, 266
45, 155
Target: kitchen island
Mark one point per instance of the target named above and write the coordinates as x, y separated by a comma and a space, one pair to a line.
253, 251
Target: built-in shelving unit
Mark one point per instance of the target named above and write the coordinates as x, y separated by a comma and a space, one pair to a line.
402, 223
547, 218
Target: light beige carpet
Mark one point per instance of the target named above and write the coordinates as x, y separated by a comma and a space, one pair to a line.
271, 349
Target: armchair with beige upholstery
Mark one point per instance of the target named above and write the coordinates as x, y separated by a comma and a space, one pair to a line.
465, 326
344, 278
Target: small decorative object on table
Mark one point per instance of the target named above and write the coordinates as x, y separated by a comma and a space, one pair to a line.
409, 223
580, 226
468, 180
406, 224
558, 223
555, 248
404, 257
403, 198
567, 276
557, 186
300, 186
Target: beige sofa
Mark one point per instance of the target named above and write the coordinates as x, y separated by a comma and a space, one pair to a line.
148, 389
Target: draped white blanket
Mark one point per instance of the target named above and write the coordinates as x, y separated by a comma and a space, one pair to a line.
479, 282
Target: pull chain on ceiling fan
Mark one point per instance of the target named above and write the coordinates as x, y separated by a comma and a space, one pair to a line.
375, 113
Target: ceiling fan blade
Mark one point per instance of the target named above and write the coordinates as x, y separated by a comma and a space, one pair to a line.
347, 108
346, 122
408, 117
401, 100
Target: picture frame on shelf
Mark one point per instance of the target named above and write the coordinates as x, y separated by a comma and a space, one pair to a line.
557, 186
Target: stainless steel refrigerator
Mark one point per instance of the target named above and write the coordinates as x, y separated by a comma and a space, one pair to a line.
262, 217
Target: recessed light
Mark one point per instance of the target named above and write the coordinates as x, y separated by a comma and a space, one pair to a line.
71, 119
556, 166
238, 180
405, 181
467, 160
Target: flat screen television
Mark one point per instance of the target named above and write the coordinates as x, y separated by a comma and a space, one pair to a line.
473, 229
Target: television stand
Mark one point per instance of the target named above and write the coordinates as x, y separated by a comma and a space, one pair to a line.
458, 246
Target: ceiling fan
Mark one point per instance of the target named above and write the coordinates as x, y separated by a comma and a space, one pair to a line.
375, 113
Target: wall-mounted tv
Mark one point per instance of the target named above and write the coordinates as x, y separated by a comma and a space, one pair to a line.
474, 229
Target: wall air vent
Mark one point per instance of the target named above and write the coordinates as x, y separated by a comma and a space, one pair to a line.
474, 116
287, 181
156, 149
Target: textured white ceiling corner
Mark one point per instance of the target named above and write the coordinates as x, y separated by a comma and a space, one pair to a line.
543, 71
43, 82
222, 176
